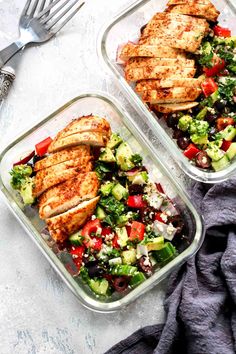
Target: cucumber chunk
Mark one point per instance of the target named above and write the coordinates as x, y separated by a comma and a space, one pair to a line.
107, 155
231, 152
123, 157
99, 286
156, 243
137, 279
119, 192
124, 269
129, 256
100, 213
106, 188
114, 141
76, 239
221, 164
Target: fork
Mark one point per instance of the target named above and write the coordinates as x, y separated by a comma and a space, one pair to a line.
39, 27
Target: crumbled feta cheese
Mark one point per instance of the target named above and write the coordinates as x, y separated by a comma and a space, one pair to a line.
164, 216
93, 217
99, 231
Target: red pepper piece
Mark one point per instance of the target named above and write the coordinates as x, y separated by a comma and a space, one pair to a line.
97, 243
158, 217
191, 151
42, 147
216, 69
106, 231
137, 231
209, 86
77, 254
225, 145
115, 243
222, 32
136, 201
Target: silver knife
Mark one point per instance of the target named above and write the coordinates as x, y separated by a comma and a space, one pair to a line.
8, 74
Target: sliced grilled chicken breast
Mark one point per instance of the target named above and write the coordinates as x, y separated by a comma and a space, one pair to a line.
158, 72
175, 107
51, 176
179, 17
188, 40
89, 138
67, 195
142, 62
86, 124
183, 2
63, 225
205, 11
145, 85
171, 95
131, 50
62, 156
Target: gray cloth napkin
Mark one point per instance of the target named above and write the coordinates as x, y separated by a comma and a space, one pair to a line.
201, 297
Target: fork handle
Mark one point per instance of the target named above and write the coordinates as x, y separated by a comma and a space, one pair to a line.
8, 52
7, 76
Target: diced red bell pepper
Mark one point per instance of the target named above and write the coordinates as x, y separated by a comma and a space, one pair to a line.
158, 217
191, 151
91, 226
216, 69
97, 243
222, 123
77, 254
42, 147
106, 231
136, 201
222, 32
225, 145
115, 243
137, 231
209, 86
159, 188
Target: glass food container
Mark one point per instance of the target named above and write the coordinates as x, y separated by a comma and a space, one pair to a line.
121, 122
126, 27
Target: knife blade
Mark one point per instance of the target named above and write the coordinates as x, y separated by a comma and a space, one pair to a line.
8, 74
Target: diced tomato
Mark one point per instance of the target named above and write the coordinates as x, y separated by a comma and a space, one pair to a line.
128, 229
42, 147
218, 66
91, 226
158, 217
136, 201
106, 231
222, 123
159, 188
225, 145
222, 32
97, 243
137, 231
191, 151
209, 86
77, 254
115, 243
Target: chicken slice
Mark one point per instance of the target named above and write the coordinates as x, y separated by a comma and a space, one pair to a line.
188, 40
62, 156
131, 50
180, 2
51, 176
142, 62
86, 124
67, 195
171, 95
63, 225
159, 72
145, 85
179, 17
175, 107
89, 138
205, 11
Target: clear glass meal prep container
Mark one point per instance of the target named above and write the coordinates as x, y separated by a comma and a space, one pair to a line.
126, 27
104, 105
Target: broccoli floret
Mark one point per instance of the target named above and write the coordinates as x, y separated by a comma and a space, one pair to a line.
21, 181
19, 174
199, 127
184, 122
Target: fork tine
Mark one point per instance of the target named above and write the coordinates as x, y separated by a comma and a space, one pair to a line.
42, 6
31, 14
46, 19
59, 27
25, 9
47, 9
58, 18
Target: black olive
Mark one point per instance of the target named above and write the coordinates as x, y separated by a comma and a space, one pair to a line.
220, 105
144, 264
178, 134
135, 189
183, 142
171, 121
94, 269
177, 222
203, 160
211, 117
37, 158
196, 110
212, 133
120, 284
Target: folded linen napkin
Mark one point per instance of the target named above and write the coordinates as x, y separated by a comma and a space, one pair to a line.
201, 297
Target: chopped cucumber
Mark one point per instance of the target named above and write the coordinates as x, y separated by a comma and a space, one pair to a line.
137, 279
140, 178
129, 256
202, 114
124, 269
76, 239
214, 153
122, 236
166, 254
115, 261
119, 192
26, 191
199, 140
106, 155
231, 152
100, 213
184, 122
123, 157
228, 133
99, 286
221, 164
106, 188
122, 220
114, 141
156, 243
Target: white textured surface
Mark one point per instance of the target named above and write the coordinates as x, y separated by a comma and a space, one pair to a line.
38, 313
